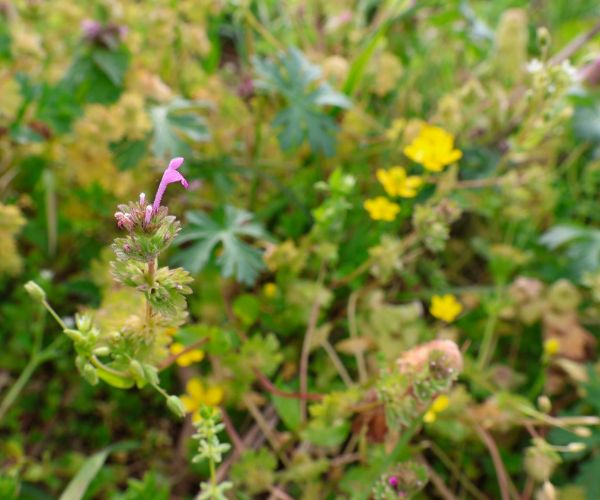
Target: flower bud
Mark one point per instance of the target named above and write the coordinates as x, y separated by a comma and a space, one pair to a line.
151, 374
83, 322
543, 36
576, 447
176, 406
101, 351
136, 369
35, 291
90, 374
544, 403
75, 336
583, 432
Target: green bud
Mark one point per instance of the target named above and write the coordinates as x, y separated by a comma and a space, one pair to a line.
84, 322
544, 404
543, 36
75, 335
136, 369
80, 362
101, 351
576, 447
35, 291
582, 431
151, 373
90, 374
176, 406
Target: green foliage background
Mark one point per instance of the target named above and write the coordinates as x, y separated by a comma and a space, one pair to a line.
284, 112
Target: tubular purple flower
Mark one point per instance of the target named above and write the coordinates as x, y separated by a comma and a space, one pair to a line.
171, 175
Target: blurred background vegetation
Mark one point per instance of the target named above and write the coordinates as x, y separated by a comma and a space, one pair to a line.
285, 112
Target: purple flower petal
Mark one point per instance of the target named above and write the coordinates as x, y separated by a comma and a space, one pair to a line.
170, 175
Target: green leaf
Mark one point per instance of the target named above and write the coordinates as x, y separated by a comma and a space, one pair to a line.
112, 63
88, 471
588, 478
237, 259
586, 123
247, 308
5, 39
176, 124
299, 82
326, 435
150, 486
97, 75
288, 409
128, 154
582, 245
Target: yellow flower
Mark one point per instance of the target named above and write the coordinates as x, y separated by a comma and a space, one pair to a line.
429, 417
193, 356
551, 347
381, 208
397, 183
440, 403
198, 395
433, 148
445, 307
438, 406
270, 290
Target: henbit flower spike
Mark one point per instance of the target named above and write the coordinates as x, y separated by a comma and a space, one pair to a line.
171, 175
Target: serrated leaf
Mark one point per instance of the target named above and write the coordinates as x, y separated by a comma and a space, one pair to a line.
582, 245
176, 124
297, 80
237, 259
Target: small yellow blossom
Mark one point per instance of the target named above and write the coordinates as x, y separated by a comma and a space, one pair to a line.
270, 290
381, 208
440, 403
438, 406
397, 183
193, 356
433, 148
198, 395
429, 417
551, 347
445, 307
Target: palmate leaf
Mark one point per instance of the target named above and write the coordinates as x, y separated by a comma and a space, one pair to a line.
237, 258
298, 81
176, 124
582, 245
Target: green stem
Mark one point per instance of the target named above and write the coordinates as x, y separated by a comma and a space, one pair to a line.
213, 473
487, 344
54, 315
18, 386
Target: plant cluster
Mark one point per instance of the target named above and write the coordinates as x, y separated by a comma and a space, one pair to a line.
383, 280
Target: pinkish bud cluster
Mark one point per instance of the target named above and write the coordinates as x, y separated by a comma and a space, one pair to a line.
124, 221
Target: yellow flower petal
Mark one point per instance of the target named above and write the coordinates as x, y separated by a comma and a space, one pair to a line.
433, 148
381, 208
551, 347
189, 404
195, 389
270, 290
429, 417
440, 403
445, 307
213, 396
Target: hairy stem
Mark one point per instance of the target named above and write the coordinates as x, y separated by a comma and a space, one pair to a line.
310, 330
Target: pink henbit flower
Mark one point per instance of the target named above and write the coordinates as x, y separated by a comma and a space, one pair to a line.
171, 175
